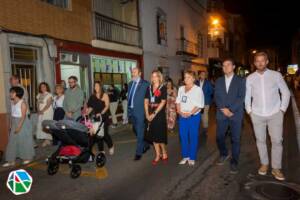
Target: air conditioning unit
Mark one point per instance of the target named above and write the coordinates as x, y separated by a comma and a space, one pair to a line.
69, 58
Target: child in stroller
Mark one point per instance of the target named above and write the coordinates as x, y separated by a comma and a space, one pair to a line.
77, 139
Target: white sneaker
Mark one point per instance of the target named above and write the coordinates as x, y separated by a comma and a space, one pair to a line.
8, 164
125, 122
183, 161
191, 162
111, 151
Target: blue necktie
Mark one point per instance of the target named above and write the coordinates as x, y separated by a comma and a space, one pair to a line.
130, 97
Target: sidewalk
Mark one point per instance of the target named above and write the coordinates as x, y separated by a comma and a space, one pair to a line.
296, 111
41, 153
297, 98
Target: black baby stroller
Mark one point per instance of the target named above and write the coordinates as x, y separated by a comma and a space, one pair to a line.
76, 144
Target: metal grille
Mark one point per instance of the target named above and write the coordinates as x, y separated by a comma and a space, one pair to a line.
112, 30
24, 66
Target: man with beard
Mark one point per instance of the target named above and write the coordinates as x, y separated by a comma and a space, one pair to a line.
74, 98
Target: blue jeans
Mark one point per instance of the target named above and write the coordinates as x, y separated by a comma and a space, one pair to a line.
189, 132
235, 130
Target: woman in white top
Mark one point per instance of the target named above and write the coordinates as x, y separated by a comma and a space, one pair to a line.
20, 142
59, 112
189, 102
45, 112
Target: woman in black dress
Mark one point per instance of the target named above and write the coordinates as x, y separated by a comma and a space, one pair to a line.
155, 110
98, 103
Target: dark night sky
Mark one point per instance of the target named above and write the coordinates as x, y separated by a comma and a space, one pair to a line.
270, 23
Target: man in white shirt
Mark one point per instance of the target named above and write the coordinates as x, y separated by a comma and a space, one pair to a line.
267, 99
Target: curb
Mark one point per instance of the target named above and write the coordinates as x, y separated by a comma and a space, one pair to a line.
296, 118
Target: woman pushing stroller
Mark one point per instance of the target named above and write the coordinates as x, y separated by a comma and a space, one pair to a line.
98, 105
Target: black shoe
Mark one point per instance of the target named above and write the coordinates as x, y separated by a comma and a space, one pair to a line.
137, 157
222, 160
146, 149
234, 169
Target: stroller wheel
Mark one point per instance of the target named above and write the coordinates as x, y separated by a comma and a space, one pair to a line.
52, 167
75, 171
100, 160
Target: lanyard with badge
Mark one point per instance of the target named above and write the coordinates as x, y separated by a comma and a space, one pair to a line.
152, 96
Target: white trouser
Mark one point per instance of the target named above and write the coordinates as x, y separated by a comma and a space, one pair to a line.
274, 123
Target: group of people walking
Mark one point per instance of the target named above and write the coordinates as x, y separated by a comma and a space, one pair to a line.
154, 108
263, 94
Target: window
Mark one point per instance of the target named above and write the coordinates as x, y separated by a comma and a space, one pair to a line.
161, 27
65, 4
112, 70
24, 61
200, 45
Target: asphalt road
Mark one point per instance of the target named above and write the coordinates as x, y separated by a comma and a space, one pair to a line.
123, 178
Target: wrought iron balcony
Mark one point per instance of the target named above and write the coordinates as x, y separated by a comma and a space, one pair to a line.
112, 30
186, 47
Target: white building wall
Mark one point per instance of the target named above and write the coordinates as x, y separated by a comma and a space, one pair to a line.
45, 69
178, 12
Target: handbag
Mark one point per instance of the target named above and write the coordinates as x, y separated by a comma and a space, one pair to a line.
99, 127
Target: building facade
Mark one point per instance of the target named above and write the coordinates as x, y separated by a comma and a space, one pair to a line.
296, 49
42, 40
226, 38
174, 36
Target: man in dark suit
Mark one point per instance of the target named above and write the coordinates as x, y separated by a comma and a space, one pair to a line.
136, 94
230, 92
208, 91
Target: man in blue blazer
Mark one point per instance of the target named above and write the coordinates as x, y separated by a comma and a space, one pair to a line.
208, 92
136, 94
230, 93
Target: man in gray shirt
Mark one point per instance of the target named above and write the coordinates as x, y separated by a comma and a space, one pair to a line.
74, 98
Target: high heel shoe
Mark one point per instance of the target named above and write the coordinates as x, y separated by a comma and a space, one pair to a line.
165, 160
155, 162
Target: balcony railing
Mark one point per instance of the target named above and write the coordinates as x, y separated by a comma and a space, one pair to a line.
112, 30
186, 47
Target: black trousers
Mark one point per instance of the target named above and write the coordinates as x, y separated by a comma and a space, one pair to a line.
107, 139
59, 114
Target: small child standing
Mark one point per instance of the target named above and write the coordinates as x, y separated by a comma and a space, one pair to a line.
20, 142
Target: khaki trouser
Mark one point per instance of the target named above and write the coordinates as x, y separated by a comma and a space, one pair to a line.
274, 123
113, 109
205, 117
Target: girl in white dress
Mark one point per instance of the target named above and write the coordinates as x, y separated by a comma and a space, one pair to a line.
45, 112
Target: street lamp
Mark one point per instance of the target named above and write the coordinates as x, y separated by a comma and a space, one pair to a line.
215, 22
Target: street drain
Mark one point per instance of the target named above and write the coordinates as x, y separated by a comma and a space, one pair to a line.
276, 191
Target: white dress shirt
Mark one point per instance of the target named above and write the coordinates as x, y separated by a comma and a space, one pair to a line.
263, 93
228, 80
191, 99
201, 83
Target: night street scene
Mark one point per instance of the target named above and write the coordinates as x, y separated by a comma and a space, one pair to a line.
149, 100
